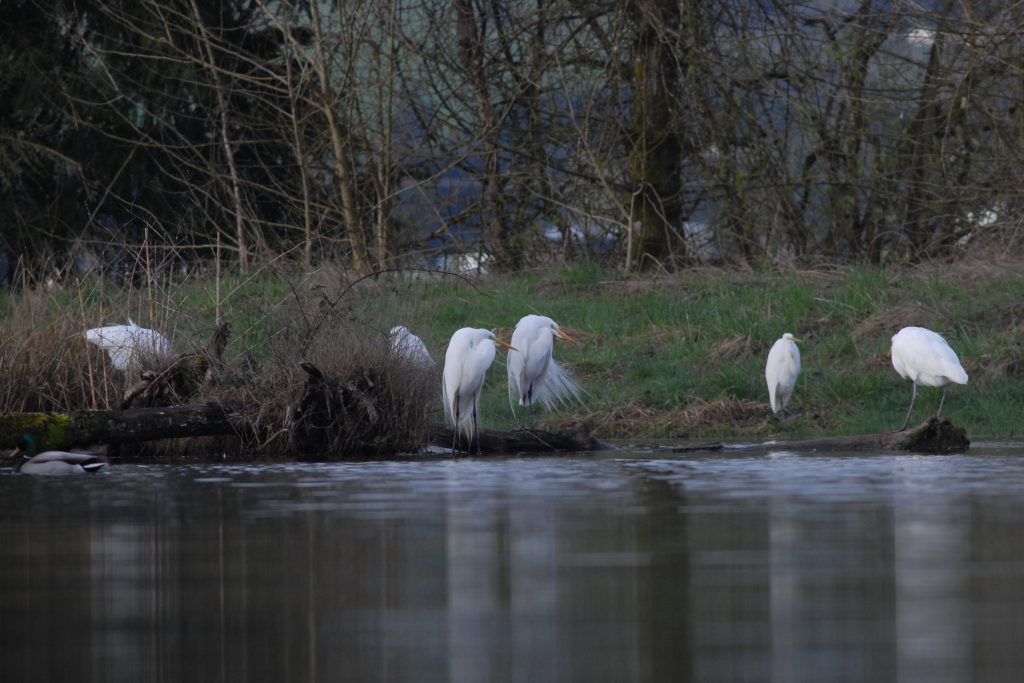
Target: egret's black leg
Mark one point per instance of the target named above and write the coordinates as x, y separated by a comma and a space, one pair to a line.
476, 430
941, 401
913, 397
455, 430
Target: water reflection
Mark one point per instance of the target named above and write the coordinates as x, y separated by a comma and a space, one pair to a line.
784, 568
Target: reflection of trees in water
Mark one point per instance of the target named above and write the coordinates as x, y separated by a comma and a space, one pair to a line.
485, 570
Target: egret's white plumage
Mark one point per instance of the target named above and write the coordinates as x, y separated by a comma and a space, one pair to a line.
781, 371
405, 344
127, 344
925, 358
54, 462
470, 353
533, 374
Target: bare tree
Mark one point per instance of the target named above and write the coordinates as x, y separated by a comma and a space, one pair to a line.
645, 133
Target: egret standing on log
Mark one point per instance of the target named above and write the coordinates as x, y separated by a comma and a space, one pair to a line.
533, 374
781, 372
470, 352
129, 344
924, 357
53, 462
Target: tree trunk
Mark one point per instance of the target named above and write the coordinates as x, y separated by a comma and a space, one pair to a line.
924, 166
225, 138
328, 99
656, 152
492, 215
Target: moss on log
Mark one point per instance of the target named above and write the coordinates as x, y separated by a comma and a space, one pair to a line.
88, 427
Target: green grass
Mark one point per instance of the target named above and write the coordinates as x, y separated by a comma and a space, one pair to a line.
658, 356
655, 350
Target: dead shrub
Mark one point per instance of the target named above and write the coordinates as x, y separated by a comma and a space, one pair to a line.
357, 397
46, 364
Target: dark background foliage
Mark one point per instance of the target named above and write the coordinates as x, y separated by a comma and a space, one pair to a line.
481, 133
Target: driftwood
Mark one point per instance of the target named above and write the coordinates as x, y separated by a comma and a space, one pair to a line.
88, 427
535, 441
936, 435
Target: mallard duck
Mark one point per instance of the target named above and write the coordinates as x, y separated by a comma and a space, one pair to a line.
53, 462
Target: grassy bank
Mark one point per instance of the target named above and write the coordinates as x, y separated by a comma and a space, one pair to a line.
684, 354
659, 356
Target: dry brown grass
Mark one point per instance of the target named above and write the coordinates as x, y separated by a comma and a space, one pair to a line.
816, 327
889, 321
47, 365
979, 265
738, 348
636, 419
1007, 316
988, 367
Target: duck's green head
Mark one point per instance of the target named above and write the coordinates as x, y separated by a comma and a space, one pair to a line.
27, 445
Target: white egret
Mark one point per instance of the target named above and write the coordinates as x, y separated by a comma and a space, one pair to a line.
533, 374
470, 353
781, 371
53, 462
924, 357
405, 344
129, 344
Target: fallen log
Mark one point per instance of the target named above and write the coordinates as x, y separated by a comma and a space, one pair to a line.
934, 436
534, 441
88, 427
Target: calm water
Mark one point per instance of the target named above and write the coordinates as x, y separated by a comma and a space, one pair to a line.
635, 565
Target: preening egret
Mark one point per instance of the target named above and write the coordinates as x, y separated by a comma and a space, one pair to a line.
53, 462
924, 357
128, 344
781, 371
533, 374
470, 352
407, 345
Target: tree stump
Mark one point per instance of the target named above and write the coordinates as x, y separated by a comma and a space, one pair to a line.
353, 416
